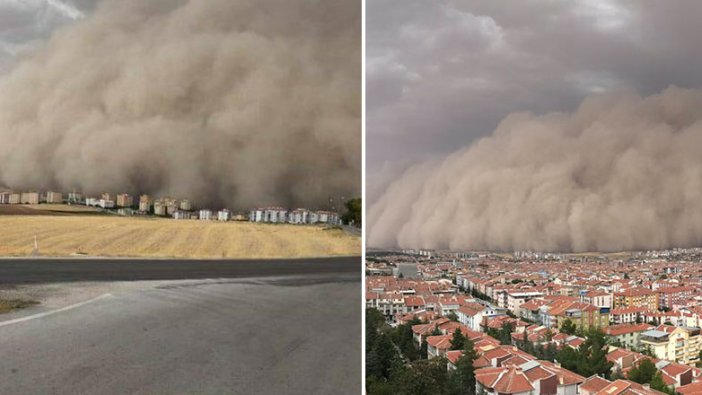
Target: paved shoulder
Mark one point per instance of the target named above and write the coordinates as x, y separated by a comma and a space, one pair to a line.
27, 271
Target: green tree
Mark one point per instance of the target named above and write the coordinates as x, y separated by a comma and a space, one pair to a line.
643, 372
352, 216
383, 355
403, 337
377, 363
568, 327
462, 379
458, 341
504, 335
590, 358
452, 316
422, 377
549, 335
424, 349
658, 384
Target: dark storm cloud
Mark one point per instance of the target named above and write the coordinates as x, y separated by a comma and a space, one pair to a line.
442, 75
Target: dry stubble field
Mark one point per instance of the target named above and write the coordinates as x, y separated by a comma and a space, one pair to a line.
110, 236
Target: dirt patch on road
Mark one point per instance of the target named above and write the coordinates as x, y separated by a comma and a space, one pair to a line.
8, 305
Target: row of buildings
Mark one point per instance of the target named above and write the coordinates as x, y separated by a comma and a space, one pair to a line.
20, 198
125, 204
297, 216
640, 302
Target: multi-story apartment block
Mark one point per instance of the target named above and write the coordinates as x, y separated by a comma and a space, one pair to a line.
54, 197
636, 297
29, 198
125, 200
473, 315
516, 298
598, 298
145, 202
670, 297
679, 344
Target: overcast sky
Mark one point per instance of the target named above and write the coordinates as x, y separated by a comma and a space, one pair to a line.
26, 23
442, 73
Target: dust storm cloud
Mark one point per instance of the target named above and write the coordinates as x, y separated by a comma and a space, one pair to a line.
236, 103
623, 172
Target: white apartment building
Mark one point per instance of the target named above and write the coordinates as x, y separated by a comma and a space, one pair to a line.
206, 215
516, 298
224, 215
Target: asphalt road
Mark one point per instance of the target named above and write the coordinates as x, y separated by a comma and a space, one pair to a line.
283, 334
28, 271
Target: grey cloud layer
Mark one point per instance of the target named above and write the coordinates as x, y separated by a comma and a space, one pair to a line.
621, 173
23, 24
225, 102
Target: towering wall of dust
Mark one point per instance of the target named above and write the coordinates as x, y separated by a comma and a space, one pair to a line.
621, 173
232, 102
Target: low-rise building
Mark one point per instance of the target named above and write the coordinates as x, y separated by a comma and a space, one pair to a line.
181, 215
106, 203
627, 335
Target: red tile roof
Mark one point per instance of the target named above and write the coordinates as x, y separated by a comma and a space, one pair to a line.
621, 329
691, 389
594, 384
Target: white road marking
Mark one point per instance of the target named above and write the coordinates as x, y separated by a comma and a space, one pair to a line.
47, 313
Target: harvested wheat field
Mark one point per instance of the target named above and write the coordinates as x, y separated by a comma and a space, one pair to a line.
153, 237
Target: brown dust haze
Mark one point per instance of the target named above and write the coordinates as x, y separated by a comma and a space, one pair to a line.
623, 172
225, 102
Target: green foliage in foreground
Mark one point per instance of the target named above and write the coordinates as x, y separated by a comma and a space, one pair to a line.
389, 372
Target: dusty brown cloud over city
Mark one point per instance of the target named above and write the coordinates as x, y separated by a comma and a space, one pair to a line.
623, 172
533, 126
223, 102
